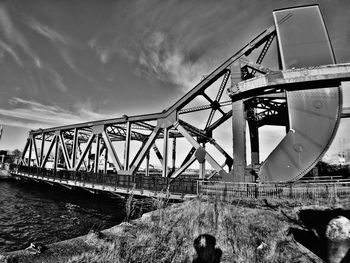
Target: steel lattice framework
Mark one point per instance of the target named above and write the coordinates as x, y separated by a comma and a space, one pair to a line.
111, 138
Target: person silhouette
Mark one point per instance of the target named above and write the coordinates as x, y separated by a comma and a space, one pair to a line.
206, 252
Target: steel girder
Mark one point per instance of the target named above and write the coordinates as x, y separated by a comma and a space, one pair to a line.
73, 143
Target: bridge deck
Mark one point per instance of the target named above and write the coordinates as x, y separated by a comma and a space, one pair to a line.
140, 185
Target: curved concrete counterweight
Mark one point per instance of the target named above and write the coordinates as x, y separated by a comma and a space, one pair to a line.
314, 114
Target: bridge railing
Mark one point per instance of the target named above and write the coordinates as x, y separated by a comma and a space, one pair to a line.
129, 182
319, 190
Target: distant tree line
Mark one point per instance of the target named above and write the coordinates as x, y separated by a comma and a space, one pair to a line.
10, 157
326, 169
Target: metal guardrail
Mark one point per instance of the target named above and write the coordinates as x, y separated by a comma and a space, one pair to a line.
228, 190
141, 182
309, 189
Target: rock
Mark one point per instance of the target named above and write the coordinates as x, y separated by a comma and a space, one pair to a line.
338, 237
338, 229
262, 246
93, 237
36, 248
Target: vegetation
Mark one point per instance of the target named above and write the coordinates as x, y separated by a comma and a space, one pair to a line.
10, 157
326, 169
246, 231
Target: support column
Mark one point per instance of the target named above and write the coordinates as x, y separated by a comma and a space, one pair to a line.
56, 154
75, 147
42, 148
147, 164
174, 155
165, 152
35, 151
202, 167
239, 141
254, 146
30, 152
89, 161
106, 160
127, 146
97, 152
254, 142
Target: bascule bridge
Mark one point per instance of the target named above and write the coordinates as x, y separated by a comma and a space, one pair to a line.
304, 95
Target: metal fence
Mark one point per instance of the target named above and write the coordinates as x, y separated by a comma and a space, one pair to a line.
304, 190
314, 189
138, 181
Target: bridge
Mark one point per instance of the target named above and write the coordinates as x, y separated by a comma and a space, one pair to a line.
119, 155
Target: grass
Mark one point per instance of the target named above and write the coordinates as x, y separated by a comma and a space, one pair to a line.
245, 232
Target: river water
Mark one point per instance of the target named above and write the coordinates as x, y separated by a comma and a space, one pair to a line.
34, 212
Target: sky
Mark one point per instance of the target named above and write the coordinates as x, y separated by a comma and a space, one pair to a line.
64, 62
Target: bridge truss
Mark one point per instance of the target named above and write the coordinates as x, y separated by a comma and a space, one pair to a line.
83, 146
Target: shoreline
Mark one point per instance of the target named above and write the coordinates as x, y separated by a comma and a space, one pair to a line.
177, 225
64, 246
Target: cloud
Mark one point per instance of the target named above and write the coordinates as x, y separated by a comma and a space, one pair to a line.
56, 78
48, 32
14, 36
172, 42
156, 57
34, 115
5, 47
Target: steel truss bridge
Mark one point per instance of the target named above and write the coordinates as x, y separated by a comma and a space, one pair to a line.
304, 96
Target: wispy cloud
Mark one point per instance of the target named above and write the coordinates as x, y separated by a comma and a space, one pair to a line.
14, 36
63, 43
34, 115
5, 47
48, 32
172, 42
56, 79
157, 58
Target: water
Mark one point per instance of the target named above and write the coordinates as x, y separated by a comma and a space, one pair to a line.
36, 212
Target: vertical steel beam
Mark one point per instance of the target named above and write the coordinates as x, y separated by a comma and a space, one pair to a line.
89, 162
42, 148
195, 144
56, 153
111, 150
82, 157
254, 142
30, 151
64, 150
147, 164
53, 140
35, 151
165, 152
75, 147
145, 149
174, 155
202, 168
23, 159
106, 160
127, 146
238, 136
97, 152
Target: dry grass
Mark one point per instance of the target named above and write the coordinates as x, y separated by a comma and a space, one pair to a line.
167, 236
